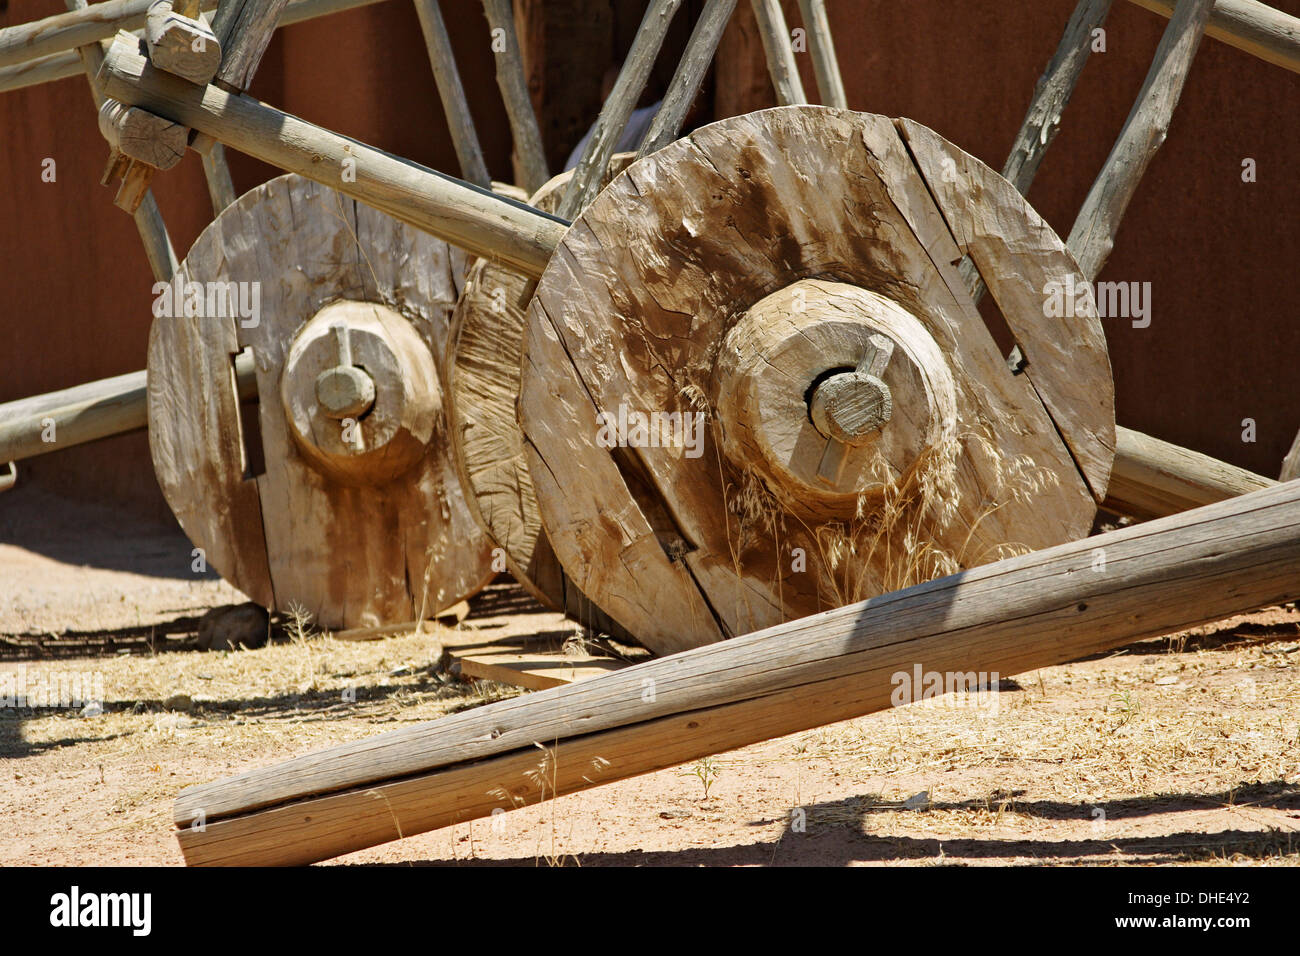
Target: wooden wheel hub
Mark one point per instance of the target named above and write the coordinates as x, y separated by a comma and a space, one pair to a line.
821, 384
361, 392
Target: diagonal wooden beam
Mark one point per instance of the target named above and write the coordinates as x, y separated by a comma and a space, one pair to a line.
1093, 236
1005, 618
455, 105
775, 34
825, 65
611, 122
1250, 26
699, 53
524, 131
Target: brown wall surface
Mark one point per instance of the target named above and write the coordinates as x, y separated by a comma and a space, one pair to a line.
1221, 254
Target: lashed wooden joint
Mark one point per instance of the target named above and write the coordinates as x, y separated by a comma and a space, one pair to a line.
181, 42
141, 135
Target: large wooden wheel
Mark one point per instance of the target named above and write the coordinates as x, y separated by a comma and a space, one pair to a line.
791, 276
483, 375
358, 517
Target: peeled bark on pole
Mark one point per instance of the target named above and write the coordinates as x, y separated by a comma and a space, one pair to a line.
1010, 617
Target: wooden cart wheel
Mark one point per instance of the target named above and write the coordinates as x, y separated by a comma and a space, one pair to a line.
358, 517
483, 389
788, 276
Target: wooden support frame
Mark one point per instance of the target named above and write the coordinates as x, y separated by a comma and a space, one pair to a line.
1009, 617
685, 86
148, 218
475, 219
1093, 236
62, 61
1252, 27
611, 122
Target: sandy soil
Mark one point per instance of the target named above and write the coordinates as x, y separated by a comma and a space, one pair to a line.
1181, 750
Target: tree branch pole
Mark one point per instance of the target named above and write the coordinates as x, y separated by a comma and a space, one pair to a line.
455, 105
685, 86
527, 137
616, 111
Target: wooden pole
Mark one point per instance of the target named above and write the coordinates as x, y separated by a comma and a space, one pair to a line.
1093, 236
530, 157
452, 93
1248, 25
1053, 92
609, 126
473, 218
1153, 478
148, 218
685, 86
244, 28
1010, 617
64, 62
74, 416
825, 65
780, 55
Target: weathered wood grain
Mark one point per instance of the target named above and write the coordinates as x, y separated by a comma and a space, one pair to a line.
1256, 28
822, 47
781, 66
1019, 258
614, 114
692, 67
682, 550
181, 44
1153, 478
244, 29
1010, 617
352, 550
483, 388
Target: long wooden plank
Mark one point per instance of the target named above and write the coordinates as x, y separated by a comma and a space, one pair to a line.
475, 219
1010, 617
1093, 236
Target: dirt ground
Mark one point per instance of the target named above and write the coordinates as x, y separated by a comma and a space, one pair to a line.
1180, 750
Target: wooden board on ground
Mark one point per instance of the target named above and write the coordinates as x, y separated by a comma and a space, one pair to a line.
534, 662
